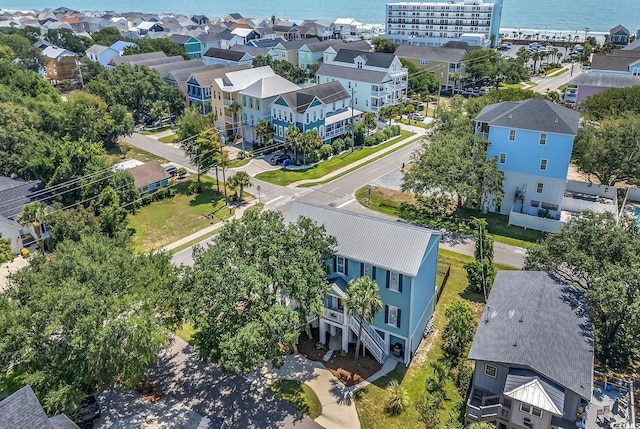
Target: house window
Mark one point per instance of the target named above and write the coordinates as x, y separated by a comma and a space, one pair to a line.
307, 119
291, 117
394, 281
526, 408
257, 104
280, 130
251, 103
368, 270
503, 158
490, 370
543, 139
392, 315
512, 135
539, 188
340, 265
543, 164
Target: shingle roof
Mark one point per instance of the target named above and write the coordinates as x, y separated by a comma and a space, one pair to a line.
224, 54
351, 73
633, 46
293, 45
391, 245
177, 59
251, 50
207, 77
269, 87
180, 39
165, 69
618, 28
327, 93
319, 46
534, 320
14, 194
127, 59
21, 410
447, 55
604, 80
533, 114
372, 59
147, 174
619, 62
182, 75
61, 421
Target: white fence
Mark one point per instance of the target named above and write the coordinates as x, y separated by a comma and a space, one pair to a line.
534, 222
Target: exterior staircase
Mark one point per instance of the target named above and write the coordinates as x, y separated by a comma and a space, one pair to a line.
370, 338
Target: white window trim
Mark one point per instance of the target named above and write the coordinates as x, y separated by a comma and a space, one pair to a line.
368, 267
488, 365
531, 410
500, 158
514, 135
395, 310
546, 136
546, 164
338, 258
393, 274
539, 186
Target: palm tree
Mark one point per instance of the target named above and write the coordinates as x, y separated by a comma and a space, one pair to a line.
558, 57
234, 108
34, 213
240, 180
409, 109
263, 129
554, 52
273, 20
362, 299
308, 141
457, 79
292, 135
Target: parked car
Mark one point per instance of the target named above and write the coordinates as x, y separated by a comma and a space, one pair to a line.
279, 158
171, 169
416, 116
89, 412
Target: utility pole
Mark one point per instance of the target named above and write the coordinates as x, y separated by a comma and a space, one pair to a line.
353, 139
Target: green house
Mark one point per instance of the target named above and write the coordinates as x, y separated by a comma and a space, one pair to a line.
191, 45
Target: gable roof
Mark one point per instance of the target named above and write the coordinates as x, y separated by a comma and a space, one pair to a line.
604, 80
549, 331
329, 92
96, 49
56, 52
148, 173
127, 59
619, 29
447, 55
391, 245
372, 59
157, 61
319, 46
14, 194
633, 46
121, 44
269, 86
180, 39
239, 79
532, 392
21, 410
351, 73
182, 75
618, 62
293, 45
519, 385
225, 54
207, 77
165, 69
534, 114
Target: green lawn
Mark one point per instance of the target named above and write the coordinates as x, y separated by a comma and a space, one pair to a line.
388, 202
237, 163
556, 72
413, 123
168, 139
163, 222
156, 131
186, 332
284, 177
124, 151
299, 395
370, 401
510, 85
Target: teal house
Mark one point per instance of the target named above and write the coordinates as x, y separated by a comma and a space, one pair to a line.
401, 258
191, 45
149, 177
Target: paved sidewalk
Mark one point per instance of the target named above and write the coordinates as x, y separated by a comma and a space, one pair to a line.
237, 215
363, 160
161, 134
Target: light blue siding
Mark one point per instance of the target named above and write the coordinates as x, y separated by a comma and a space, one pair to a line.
525, 153
424, 292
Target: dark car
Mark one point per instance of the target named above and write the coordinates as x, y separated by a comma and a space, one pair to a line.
89, 412
171, 169
279, 158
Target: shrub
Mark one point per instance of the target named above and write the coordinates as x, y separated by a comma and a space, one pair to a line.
397, 402
195, 187
24, 252
147, 199
463, 378
320, 346
162, 193
182, 172
337, 146
325, 151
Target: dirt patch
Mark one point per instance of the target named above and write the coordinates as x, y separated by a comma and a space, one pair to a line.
424, 347
343, 366
392, 194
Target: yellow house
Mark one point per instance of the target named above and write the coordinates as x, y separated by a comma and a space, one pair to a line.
443, 62
224, 95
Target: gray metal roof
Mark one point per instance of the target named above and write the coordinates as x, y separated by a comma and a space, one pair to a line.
391, 245
604, 80
21, 410
329, 92
533, 114
519, 376
182, 75
269, 87
165, 69
445, 55
157, 61
225, 54
127, 59
534, 320
372, 59
351, 73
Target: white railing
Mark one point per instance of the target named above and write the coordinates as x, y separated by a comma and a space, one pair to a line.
370, 338
336, 132
334, 315
311, 317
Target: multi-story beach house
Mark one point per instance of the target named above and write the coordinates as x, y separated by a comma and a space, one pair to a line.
436, 23
533, 354
374, 79
445, 63
401, 258
198, 87
532, 142
325, 108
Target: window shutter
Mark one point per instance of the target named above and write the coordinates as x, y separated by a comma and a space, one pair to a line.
335, 264
388, 279
346, 267
399, 314
373, 272
361, 269
386, 314
399, 282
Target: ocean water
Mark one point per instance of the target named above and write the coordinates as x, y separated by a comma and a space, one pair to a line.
552, 15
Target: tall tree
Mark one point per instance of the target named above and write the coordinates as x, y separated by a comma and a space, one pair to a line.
65, 38
362, 299
192, 123
481, 64
420, 82
93, 316
263, 129
602, 256
234, 109
610, 149
16, 137
106, 36
309, 141
237, 290
458, 332
612, 102
480, 272
292, 138
240, 180
380, 44
204, 152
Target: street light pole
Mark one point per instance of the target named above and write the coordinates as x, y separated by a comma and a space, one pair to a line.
258, 188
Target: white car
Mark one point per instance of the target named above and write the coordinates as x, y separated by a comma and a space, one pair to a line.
416, 116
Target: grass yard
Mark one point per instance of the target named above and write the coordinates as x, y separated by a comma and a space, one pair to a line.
168, 139
237, 163
125, 151
510, 85
413, 123
556, 72
284, 177
299, 395
388, 201
370, 401
186, 332
155, 131
163, 222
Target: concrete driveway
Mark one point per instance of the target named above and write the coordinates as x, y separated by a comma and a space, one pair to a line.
209, 392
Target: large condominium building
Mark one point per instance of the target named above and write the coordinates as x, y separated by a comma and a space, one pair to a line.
436, 23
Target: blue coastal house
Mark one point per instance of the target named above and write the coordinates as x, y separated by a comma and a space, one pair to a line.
532, 142
325, 108
401, 258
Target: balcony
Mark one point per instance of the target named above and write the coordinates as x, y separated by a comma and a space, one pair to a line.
482, 407
227, 102
334, 314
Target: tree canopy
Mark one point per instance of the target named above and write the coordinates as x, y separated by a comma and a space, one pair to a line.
282, 68
380, 44
602, 256
420, 82
238, 290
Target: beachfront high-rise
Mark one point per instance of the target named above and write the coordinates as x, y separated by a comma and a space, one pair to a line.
436, 23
